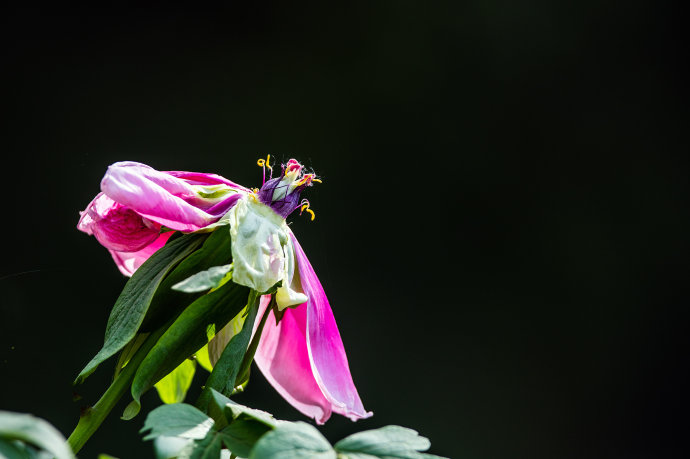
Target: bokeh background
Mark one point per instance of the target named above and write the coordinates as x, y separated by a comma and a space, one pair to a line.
502, 227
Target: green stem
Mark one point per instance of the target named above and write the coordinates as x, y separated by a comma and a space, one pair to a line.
94, 417
246, 364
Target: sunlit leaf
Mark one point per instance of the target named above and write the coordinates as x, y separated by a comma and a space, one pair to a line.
173, 387
177, 420
204, 280
293, 440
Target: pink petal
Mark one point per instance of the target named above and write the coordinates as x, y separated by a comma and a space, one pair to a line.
158, 196
283, 358
326, 349
303, 356
128, 262
201, 178
117, 227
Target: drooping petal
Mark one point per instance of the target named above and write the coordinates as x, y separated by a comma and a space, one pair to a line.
303, 356
161, 197
326, 349
128, 262
283, 358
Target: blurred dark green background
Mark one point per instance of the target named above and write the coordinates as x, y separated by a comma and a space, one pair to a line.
502, 227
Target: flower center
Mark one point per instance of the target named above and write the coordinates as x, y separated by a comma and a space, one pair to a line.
282, 194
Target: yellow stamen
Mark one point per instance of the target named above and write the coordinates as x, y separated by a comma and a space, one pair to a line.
305, 207
265, 162
316, 180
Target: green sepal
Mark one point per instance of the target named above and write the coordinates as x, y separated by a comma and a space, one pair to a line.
133, 303
185, 336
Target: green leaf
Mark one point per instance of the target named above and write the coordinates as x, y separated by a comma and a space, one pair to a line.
185, 336
177, 420
128, 352
168, 303
35, 431
225, 371
208, 448
204, 280
236, 411
14, 450
293, 440
133, 303
246, 425
203, 358
241, 436
169, 447
173, 387
387, 442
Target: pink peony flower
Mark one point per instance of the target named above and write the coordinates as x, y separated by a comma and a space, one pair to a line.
302, 356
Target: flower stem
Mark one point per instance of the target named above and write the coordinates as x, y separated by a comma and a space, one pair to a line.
94, 416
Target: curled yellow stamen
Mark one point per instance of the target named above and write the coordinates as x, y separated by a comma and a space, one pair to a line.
265, 162
306, 207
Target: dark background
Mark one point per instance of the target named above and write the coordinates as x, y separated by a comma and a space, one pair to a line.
502, 227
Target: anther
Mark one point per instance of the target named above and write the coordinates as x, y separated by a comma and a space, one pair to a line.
305, 207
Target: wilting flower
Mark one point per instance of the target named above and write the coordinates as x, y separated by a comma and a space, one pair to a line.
302, 355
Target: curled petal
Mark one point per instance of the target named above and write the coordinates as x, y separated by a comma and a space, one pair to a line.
303, 356
128, 262
117, 227
162, 197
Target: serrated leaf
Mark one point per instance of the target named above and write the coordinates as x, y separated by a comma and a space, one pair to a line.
168, 303
132, 305
35, 431
185, 336
173, 387
293, 440
204, 280
388, 442
225, 371
177, 420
